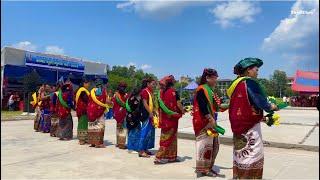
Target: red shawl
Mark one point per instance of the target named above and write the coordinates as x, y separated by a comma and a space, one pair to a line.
81, 106
169, 99
144, 94
119, 112
241, 114
199, 120
53, 103
45, 102
95, 111
63, 112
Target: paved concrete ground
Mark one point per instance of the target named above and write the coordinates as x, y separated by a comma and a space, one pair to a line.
26, 154
298, 127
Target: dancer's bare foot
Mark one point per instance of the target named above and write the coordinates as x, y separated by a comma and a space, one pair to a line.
100, 146
143, 154
122, 147
149, 153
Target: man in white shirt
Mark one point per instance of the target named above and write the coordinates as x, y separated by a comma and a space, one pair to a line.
10, 103
284, 99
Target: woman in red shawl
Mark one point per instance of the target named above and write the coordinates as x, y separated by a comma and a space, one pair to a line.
98, 104
119, 114
45, 111
247, 102
64, 106
53, 111
37, 107
147, 131
168, 121
205, 107
82, 99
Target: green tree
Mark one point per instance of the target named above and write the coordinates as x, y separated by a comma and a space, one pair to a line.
267, 86
179, 86
279, 82
288, 92
30, 82
129, 75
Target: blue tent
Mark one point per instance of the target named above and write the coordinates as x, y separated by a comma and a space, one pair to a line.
191, 86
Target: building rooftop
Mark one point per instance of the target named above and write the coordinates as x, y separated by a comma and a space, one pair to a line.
51, 54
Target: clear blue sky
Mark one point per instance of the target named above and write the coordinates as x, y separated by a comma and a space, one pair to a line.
167, 38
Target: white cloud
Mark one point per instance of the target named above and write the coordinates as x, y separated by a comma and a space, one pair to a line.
157, 9
145, 66
131, 64
54, 50
25, 45
229, 12
296, 37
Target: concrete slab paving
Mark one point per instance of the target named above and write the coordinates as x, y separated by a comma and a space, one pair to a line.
26, 154
313, 138
298, 128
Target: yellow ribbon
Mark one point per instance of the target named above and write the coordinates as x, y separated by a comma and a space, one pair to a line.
234, 85
34, 97
80, 91
36, 100
155, 115
94, 98
211, 133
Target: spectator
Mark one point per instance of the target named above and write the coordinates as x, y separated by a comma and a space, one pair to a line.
11, 102
287, 100
284, 99
16, 101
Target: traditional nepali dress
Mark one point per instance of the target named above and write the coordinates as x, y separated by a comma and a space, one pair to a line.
119, 114
54, 115
64, 105
207, 147
133, 121
37, 118
45, 121
147, 131
245, 113
169, 127
82, 100
96, 120
37, 110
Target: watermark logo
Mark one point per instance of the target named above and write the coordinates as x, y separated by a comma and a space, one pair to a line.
302, 12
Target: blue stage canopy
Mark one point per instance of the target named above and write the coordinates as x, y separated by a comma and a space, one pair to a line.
191, 86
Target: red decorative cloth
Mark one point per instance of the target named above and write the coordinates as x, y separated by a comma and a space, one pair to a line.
63, 111
119, 112
95, 111
170, 100
144, 93
45, 102
199, 120
242, 114
53, 103
82, 105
